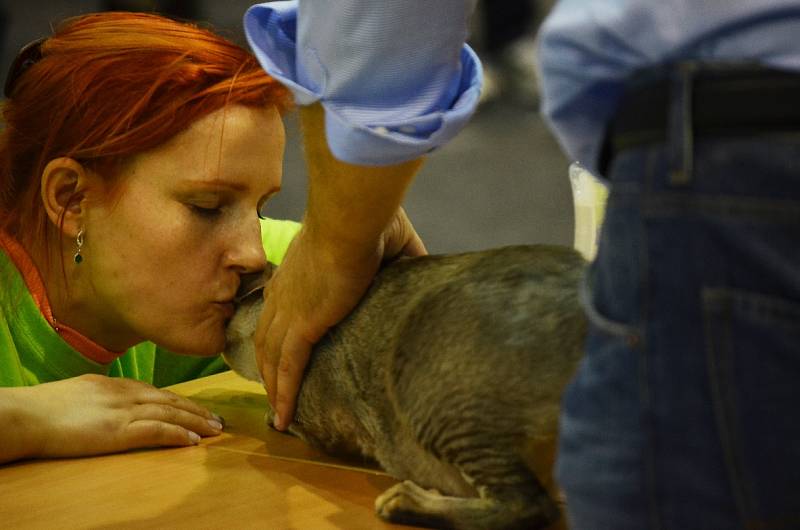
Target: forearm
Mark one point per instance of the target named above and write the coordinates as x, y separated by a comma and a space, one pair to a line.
17, 437
349, 206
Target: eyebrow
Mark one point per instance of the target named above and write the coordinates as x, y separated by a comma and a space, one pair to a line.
216, 184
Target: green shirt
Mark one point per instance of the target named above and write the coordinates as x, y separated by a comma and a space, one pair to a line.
32, 352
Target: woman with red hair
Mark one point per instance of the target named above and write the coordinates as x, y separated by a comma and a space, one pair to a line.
136, 156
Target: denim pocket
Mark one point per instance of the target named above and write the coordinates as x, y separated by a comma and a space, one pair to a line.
601, 441
753, 355
603, 401
600, 322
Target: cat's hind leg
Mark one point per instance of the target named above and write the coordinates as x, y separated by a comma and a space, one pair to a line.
487, 482
408, 503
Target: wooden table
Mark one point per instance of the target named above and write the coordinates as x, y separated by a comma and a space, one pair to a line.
250, 476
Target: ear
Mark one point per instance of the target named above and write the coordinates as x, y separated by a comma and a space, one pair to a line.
64, 185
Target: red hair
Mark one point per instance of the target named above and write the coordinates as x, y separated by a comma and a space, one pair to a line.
111, 85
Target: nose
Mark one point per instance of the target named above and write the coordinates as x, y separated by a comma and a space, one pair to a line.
246, 250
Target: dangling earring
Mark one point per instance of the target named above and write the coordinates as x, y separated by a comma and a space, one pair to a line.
79, 241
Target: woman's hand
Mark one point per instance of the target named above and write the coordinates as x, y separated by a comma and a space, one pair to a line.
93, 414
312, 290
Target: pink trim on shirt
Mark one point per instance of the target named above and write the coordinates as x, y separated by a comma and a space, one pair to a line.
27, 268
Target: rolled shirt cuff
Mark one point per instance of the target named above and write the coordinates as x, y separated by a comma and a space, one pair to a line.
365, 132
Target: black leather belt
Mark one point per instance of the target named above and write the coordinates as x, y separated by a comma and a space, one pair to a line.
725, 101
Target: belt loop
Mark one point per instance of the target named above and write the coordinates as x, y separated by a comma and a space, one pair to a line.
680, 127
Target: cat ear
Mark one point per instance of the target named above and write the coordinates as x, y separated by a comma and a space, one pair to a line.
250, 285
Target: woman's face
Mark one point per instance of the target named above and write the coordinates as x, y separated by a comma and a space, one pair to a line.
163, 255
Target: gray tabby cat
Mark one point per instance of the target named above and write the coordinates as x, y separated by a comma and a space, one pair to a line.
446, 374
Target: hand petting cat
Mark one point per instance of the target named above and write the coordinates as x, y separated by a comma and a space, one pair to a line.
353, 223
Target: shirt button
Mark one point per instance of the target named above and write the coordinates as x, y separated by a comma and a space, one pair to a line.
381, 130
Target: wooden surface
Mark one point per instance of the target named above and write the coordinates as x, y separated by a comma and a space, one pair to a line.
248, 477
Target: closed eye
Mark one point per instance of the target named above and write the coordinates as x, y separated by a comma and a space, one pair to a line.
204, 212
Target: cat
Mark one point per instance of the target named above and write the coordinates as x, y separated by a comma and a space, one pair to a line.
446, 374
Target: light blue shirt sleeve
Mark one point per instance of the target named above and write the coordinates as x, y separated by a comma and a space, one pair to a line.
394, 76
589, 49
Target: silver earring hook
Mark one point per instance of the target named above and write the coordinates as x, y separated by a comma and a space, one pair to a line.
79, 243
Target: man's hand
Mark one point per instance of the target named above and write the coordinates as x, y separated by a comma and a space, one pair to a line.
352, 223
308, 294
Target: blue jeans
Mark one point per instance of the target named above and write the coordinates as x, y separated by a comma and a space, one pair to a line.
685, 412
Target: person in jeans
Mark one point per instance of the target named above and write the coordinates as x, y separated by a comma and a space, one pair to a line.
681, 415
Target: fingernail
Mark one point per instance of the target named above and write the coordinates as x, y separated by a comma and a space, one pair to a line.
194, 437
217, 426
219, 418
276, 421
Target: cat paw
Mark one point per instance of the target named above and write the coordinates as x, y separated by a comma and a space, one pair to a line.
407, 503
